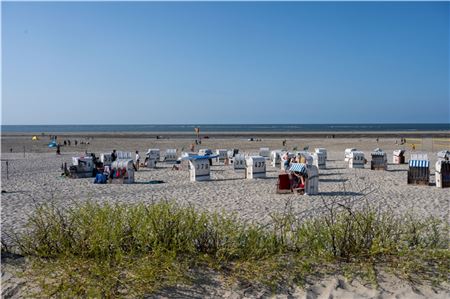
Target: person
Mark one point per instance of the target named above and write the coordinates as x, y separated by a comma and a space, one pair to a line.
58, 149
76, 142
65, 143
298, 180
138, 158
284, 142
192, 147
113, 156
68, 142
285, 159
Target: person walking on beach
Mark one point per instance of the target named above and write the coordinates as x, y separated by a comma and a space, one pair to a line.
58, 149
138, 158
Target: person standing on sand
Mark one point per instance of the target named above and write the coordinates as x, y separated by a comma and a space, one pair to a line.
58, 149
285, 159
113, 156
138, 158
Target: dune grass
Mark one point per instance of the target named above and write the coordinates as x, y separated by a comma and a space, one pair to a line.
117, 250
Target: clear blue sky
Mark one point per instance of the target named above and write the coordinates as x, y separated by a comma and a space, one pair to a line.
131, 63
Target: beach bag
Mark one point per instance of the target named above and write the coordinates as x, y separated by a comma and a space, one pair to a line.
100, 178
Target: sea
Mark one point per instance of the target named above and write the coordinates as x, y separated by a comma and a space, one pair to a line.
230, 128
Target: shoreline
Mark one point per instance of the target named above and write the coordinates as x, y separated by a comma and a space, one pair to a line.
226, 135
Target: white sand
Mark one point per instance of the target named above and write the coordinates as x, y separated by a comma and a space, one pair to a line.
36, 179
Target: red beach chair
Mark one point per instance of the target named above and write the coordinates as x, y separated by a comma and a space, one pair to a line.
284, 183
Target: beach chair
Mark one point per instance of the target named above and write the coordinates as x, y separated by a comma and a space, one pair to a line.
239, 162
321, 150
284, 184
356, 159
255, 167
170, 155
264, 152
275, 157
122, 171
153, 154
419, 172
347, 153
442, 174
319, 160
398, 156
379, 160
82, 167
444, 155
312, 180
222, 155
199, 169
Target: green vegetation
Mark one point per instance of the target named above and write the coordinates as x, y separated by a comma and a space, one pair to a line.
105, 250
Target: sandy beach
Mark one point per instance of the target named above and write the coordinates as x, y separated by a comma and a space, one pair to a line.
34, 177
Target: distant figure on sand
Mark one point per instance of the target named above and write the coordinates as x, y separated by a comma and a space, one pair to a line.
284, 142
138, 158
58, 149
192, 147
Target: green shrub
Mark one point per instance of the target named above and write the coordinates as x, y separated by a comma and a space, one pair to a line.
114, 250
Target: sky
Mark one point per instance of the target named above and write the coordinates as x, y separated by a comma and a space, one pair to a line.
219, 63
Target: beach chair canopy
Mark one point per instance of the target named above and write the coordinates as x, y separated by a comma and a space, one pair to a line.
378, 153
399, 152
419, 163
444, 154
199, 157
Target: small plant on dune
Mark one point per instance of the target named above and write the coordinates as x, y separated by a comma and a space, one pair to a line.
117, 250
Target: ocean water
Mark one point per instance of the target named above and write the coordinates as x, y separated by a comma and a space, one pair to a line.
228, 128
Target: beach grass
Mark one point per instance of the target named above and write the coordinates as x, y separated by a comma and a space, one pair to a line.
118, 250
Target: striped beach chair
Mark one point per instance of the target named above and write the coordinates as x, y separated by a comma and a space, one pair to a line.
442, 173
419, 172
379, 160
